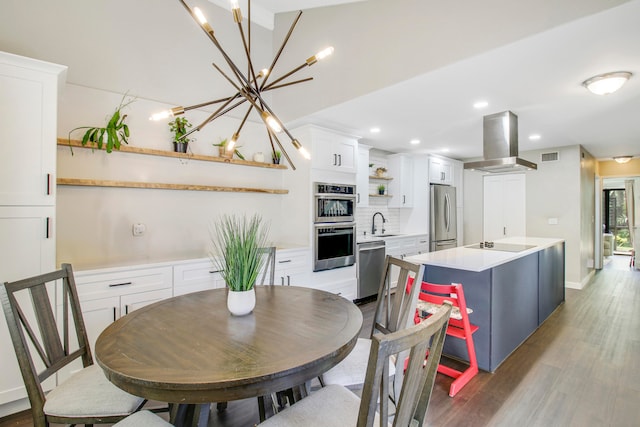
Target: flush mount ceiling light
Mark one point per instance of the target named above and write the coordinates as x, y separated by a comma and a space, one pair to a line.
248, 85
622, 159
604, 84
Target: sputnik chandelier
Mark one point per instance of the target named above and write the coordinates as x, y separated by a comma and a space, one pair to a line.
249, 86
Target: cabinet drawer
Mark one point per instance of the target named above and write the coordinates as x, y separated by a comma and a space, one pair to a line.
97, 284
196, 276
286, 258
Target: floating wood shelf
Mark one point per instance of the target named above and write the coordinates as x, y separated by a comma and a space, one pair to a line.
379, 195
386, 178
153, 152
160, 186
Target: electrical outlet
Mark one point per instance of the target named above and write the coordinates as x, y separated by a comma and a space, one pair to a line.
139, 229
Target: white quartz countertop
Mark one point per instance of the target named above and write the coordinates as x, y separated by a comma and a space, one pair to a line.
464, 258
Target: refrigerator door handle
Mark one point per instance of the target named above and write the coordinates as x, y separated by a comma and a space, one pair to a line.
446, 211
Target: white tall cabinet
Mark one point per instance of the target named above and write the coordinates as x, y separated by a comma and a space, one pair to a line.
504, 209
28, 105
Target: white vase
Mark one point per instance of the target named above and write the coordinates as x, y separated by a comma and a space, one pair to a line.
241, 303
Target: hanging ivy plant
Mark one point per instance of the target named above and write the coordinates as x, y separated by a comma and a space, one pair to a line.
113, 135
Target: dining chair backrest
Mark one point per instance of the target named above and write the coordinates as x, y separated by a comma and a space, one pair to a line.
417, 383
269, 266
30, 311
394, 310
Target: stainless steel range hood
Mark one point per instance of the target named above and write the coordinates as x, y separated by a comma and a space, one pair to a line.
500, 146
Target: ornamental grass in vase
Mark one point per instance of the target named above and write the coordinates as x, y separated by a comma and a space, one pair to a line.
237, 243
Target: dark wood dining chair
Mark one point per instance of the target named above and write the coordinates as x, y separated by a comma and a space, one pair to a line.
44, 344
394, 312
337, 406
269, 269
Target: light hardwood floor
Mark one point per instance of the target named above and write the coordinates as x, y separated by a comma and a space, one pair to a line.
580, 368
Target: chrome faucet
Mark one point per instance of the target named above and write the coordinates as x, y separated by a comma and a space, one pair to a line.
373, 223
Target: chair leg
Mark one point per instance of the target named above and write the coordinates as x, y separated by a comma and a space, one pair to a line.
462, 377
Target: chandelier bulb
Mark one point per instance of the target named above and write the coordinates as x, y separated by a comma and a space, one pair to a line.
202, 19
271, 122
235, 10
176, 111
232, 142
320, 55
303, 151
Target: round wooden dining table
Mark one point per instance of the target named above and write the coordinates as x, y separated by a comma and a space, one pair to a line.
190, 350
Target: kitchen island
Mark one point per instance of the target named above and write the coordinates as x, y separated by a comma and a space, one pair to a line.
512, 288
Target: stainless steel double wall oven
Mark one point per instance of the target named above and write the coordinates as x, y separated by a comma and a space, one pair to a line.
334, 241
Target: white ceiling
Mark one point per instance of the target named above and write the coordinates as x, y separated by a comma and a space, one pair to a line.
538, 78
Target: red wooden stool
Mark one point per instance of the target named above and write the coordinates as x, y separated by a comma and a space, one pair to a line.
431, 298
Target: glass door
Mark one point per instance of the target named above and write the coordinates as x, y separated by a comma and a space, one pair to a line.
615, 219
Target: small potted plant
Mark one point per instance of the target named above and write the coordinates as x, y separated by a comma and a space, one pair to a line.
277, 156
237, 243
180, 126
381, 189
381, 171
222, 150
115, 132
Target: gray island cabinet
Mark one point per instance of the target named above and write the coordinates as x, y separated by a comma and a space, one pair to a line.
511, 293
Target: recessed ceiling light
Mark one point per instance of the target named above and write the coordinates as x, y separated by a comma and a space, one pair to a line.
445, 150
480, 104
374, 130
415, 141
534, 137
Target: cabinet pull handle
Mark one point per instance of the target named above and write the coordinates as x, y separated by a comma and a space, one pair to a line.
114, 314
282, 280
48, 184
215, 271
126, 309
47, 231
404, 199
283, 261
114, 285
358, 197
504, 231
288, 280
339, 159
335, 160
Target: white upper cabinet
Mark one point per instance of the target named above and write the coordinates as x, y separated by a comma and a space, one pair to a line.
440, 171
333, 151
362, 177
401, 188
29, 105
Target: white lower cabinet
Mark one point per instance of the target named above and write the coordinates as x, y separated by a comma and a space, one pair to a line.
339, 281
106, 295
293, 267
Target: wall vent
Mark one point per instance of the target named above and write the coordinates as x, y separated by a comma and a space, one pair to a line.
550, 157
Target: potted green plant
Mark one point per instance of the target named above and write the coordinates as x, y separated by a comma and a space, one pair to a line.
115, 132
276, 157
381, 189
180, 126
222, 150
237, 243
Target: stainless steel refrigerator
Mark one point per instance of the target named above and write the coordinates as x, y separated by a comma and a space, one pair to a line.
442, 218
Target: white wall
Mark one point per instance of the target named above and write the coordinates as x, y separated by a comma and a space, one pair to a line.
561, 190
94, 224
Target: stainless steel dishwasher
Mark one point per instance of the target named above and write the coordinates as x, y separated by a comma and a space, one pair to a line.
370, 262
